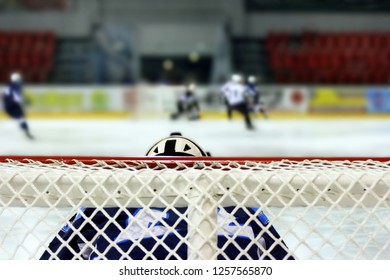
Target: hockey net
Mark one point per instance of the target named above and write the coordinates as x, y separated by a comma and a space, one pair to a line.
321, 208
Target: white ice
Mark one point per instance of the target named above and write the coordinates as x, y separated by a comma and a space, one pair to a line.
279, 138
129, 137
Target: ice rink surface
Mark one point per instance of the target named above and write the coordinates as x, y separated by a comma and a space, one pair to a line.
133, 137
272, 137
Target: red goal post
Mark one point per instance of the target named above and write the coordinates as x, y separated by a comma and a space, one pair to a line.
351, 196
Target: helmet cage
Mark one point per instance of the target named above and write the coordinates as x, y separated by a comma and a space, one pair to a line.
176, 145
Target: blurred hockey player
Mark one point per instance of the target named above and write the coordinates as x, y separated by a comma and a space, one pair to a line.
237, 98
187, 104
13, 102
159, 233
256, 105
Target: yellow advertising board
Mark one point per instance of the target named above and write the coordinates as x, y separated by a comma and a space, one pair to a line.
340, 99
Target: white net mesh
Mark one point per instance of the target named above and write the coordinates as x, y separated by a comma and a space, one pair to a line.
194, 209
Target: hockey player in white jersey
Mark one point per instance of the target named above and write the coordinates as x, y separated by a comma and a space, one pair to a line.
236, 98
13, 101
256, 104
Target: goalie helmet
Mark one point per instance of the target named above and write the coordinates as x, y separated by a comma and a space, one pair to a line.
176, 145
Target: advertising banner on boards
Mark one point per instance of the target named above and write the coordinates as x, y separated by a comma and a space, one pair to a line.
378, 100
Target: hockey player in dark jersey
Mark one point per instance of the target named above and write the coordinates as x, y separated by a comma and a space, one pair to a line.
256, 103
187, 104
166, 229
13, 101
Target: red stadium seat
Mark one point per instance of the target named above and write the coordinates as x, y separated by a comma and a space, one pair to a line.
331, 57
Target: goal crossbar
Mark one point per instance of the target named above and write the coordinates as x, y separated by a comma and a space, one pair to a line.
270, 181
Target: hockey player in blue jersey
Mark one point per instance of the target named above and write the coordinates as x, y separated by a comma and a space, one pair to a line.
256, 104
13, 101
125, 227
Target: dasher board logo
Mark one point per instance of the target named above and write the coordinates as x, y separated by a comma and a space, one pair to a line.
295, 99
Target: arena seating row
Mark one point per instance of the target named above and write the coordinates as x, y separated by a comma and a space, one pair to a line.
31, 53
330, 57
